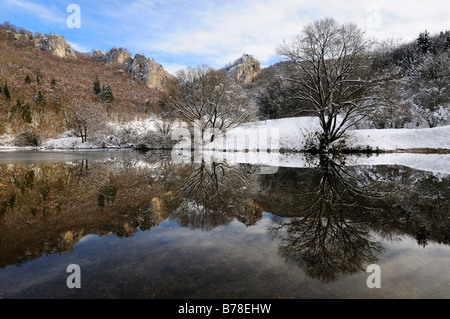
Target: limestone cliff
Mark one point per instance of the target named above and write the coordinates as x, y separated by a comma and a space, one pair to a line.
141, 67
54, 44
245, 69
151, 73
118, 56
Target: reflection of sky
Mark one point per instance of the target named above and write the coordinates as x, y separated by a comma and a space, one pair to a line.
34, 157
234, 259
411, 271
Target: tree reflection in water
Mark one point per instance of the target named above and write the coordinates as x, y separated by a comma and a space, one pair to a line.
215, 194
331, 233
328, 219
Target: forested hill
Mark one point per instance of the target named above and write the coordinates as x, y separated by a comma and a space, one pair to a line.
41, 91
47, 88
419, 88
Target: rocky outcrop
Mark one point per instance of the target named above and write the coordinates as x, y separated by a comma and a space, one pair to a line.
55, 44
118, 56
151, 73
52, 43
141, 67
245, 69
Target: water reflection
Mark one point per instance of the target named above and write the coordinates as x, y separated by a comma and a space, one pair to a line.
337, 215
328, 219
215, 194
331, 231
48, 208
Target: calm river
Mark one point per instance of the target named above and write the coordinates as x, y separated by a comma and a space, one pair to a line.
140, 226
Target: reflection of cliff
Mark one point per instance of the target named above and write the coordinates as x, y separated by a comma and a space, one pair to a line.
49, 208
327, 215
334, 213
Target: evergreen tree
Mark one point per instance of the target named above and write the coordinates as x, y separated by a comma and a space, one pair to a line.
6, 91
97, 89
27, 79
107, 95
53, 83
40, 100
447, 40
38, 78
424, 42
23, 109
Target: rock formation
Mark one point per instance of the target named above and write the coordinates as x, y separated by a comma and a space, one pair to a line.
54, 44
141, 67
245, 69
151, 73
118, 56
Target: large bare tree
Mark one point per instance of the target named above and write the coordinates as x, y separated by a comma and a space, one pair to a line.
331, 73
210, 100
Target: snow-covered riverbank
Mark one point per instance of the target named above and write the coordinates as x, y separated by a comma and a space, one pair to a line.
288, 134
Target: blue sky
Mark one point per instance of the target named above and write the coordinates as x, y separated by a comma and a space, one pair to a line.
185, 33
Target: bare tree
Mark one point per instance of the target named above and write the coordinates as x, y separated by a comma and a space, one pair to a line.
210, 99
84, 117
332, 75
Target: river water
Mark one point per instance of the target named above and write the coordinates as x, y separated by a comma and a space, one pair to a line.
141, 225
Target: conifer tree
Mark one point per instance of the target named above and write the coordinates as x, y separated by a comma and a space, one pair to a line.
447, 40
17, 107
6, 91
53, 83
424, 42
107, 95
40, 100
97, 89
27, 79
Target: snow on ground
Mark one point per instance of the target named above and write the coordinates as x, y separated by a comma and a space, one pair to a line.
288, 134
403, 139
67, 143
291, 134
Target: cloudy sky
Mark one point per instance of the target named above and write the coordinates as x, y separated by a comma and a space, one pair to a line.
181, 33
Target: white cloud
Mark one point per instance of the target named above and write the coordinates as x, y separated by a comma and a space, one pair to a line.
173, 68
179, 33
49, 15
221, 32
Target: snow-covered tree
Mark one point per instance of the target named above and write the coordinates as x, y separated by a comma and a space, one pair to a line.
428, 91
84, 118
332, 75
210, 99
107, 94
424, 42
